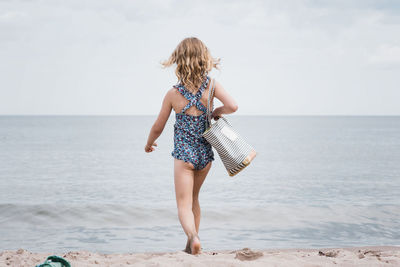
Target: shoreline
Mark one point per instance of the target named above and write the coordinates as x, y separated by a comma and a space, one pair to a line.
345, 256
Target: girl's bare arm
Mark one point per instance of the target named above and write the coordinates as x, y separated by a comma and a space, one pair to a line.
229, 104
160, 122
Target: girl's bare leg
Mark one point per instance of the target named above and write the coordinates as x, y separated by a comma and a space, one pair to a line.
199, 177
184, 181
187, 187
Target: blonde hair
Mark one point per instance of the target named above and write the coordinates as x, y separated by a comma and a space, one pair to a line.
193, 62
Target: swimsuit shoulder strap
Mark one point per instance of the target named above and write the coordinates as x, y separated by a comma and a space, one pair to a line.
194, 99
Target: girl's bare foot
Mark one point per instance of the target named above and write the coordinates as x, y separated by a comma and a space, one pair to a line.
195, 245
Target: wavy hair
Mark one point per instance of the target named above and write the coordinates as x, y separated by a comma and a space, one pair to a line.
193, 62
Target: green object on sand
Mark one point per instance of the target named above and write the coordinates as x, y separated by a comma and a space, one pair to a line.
54, 261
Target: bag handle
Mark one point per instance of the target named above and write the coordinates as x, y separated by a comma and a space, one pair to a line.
209, 111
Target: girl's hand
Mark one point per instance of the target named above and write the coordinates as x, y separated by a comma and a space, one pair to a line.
215, 115
149, 148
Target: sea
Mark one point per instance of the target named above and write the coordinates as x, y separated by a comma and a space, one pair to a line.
72, 183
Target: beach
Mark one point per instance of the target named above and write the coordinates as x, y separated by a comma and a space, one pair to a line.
351, 256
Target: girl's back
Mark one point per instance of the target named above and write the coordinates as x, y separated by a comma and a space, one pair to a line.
179, 101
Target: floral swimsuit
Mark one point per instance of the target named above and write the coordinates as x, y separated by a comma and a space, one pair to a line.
189, 145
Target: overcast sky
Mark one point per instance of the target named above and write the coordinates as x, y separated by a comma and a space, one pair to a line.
278, 57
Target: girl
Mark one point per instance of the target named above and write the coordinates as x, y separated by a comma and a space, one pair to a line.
193, 155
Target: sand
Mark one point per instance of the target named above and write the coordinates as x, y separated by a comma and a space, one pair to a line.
355, 256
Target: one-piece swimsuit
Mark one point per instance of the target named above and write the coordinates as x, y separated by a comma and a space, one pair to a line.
189, 145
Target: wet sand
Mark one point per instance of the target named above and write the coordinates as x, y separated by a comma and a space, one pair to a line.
354, 256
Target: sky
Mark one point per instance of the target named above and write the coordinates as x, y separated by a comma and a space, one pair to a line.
98, 57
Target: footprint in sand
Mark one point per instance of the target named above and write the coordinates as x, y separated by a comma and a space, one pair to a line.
247, 254
331, 253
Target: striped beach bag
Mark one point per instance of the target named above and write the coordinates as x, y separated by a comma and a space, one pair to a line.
235, 153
